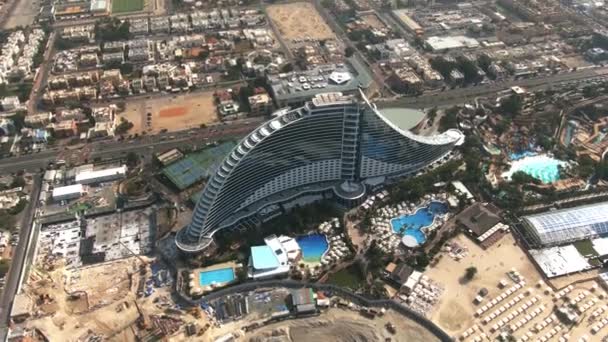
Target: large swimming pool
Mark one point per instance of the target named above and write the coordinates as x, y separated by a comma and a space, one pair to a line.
412, 224
541, 167
219, 276
313, 246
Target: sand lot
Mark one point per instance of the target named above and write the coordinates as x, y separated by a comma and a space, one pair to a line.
342, 326
373, 21
299, 20
105, 304
173, 113
456, 309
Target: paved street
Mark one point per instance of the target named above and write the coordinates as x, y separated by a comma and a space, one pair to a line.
462, 95
42, 74
146, 145
156, 143
22, 250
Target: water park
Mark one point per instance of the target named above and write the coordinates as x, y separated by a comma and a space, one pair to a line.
408, 223
540, 166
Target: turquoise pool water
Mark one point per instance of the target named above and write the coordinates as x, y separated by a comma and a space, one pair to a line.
541, 167
219, 276
313, 246
413, 223
520, 155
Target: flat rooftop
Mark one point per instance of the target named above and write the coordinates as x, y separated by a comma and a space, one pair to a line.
263, 258
325, 78
404, 118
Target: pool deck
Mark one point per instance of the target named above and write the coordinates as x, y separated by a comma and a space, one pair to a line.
229, 264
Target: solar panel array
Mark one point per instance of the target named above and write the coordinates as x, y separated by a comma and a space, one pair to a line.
197, 166
570, 224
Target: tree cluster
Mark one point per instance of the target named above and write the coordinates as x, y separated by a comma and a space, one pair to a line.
112, 29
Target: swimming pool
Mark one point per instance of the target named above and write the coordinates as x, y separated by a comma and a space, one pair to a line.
219, 276
521, 155
541, 167
412, 224
313, 246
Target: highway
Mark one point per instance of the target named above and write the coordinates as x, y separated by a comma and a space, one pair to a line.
21, 252
463, 95
144, 145
152, 144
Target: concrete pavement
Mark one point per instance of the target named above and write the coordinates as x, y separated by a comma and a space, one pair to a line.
24, 248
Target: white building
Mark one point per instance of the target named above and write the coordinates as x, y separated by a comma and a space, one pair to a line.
439, 44
10, 103
68, 192
106, 175
274, 259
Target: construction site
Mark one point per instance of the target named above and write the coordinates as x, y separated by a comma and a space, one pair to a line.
124, 300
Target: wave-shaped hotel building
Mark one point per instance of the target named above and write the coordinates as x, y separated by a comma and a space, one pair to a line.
334, 146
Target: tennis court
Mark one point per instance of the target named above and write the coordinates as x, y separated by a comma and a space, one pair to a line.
197, 166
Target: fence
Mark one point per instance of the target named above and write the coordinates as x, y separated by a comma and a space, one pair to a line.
353, 297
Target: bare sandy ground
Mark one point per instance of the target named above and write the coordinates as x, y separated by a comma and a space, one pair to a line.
342, 326
195, 109
456, 309
23, 13
64, 319
299, 20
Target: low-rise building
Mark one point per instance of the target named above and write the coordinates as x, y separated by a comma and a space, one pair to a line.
273, 259
100, 7
303, 301
113, 57
160, 25
38, 120
68, 192
139, 26
98, 176
10, 103
481, 222
260, 104
445, 43
65, 129
405, 80
402, 276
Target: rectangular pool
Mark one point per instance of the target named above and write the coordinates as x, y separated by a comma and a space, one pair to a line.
219, 276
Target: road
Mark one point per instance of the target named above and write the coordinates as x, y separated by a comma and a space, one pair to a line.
42, 74
463, 95
23, 249
341, 34
146, 145
152, 144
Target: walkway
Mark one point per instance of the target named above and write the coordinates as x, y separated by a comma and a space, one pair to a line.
353, 297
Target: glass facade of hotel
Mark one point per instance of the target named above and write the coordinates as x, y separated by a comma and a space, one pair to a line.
331, 141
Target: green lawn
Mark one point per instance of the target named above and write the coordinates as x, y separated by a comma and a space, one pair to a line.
585, 247
122, 6
349, 277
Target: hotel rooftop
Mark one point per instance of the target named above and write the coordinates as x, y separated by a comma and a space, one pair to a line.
299, 86
273, 259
